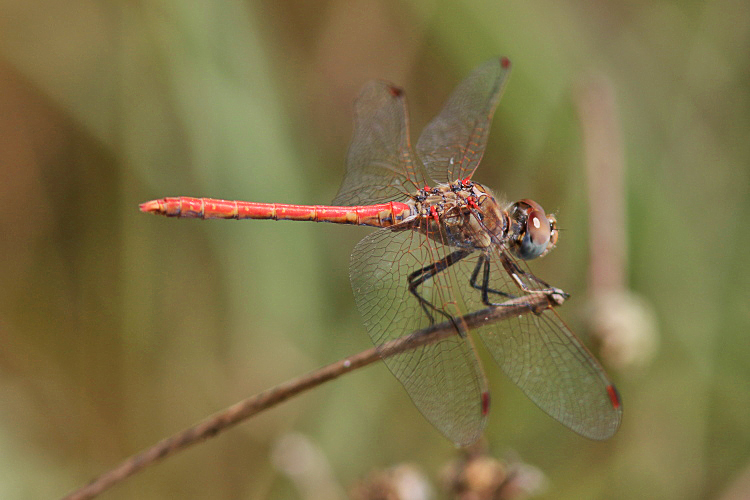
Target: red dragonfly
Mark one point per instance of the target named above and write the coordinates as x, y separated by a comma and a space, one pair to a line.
442, 252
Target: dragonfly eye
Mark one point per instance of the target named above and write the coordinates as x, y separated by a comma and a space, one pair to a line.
536, 234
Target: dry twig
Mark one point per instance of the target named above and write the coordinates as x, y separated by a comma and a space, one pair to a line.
251, 406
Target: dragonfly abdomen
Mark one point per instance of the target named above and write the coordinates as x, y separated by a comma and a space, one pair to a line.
381, 215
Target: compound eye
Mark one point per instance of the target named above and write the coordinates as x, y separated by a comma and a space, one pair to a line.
538, 228
536, 238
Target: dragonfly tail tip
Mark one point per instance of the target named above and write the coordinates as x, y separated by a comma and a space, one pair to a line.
152, 206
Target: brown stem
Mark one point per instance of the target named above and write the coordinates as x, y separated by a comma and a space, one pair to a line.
605, 169
255, 404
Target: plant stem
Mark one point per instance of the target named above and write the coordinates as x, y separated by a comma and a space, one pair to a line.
253, 405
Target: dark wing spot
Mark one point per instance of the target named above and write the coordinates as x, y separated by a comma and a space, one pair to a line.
395, 91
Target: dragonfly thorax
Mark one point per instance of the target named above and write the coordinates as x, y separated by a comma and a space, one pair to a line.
466, 214
463, 212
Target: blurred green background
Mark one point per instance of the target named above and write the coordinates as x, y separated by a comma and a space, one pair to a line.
118, 329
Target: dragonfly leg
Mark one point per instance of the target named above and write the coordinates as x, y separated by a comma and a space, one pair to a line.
421, 275
516, 273
484, 264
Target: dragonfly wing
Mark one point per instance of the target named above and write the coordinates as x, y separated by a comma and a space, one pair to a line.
444, 379
544, 358
379, 165
554, 369
452, 145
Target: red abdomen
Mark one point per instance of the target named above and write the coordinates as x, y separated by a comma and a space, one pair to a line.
382, 215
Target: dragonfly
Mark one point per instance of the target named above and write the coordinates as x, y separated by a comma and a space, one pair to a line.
446, 246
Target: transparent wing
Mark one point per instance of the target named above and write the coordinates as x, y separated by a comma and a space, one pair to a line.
542, 356
452, 145
444, 379
379, 165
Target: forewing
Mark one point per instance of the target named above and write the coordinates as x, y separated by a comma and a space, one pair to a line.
379, 165
444, 379
544, 358
452, 145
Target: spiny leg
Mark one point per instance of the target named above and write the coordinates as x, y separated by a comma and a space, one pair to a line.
516, 272
421, 275
484, 263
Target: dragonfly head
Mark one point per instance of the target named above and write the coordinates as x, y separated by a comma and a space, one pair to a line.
532, 232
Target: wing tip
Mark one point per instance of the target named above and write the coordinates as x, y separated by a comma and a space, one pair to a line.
614, 397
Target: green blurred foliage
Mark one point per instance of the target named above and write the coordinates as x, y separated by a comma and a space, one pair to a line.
118, 329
